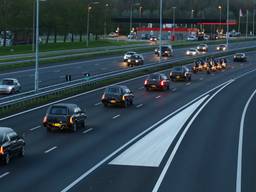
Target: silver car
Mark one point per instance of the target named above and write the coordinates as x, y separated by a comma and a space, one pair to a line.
9, 86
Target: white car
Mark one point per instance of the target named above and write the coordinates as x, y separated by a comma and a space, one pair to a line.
192, 52
128, 55
192, 38
9, 86
202, 48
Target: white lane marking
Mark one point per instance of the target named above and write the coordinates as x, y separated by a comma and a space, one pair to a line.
3, 175
151, 149
187, 84
139, 106
140, 88
35, 128
97, 104
115, 117
175, 149
91, 170
88, 130
240, 146
174, 89
51, 149
201, 79
158, 96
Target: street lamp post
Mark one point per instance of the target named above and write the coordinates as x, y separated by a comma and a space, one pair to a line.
37, 46
227, 34
140, 13
131, 13
89, 7
161, 29
253, 22
192, 16
247, 22
220, 8
173, 25
105, 21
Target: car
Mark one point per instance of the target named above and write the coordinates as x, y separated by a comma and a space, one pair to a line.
167, 51
202, 48
9, 86
180, 73
117, 95
153, 38
128, 54
199, 65
64, 116
221, 47
240, 57
136, 59
192, 52
11, 145
113, 34
158, 81
192, 38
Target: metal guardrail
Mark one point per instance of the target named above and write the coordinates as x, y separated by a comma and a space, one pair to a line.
101, 77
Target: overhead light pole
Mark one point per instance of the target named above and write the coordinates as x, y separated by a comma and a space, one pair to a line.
161, 29
220, 8
227, 34
173, 24
247, 22
105, 20
131, 13
89, 7
37, 46
253, 22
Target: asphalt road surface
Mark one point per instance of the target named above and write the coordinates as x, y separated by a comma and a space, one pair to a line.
199, 136
56, 74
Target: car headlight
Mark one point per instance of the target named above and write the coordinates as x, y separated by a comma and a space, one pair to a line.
218, 48
187, 52
129, 60
170, 73
194, 53
137, 61
166, 52
198, 47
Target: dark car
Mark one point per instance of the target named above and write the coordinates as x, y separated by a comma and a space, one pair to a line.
221, 47
135, 59
11, 144
240, 57
167, 51
157, 81
180, 73
117, 95
64, 116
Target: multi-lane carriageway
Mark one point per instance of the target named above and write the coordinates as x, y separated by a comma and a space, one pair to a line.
199, 136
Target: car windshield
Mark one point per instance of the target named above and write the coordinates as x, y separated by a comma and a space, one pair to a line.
193, 50
59, 110
154, 76
177, 69
7, 82
113, 90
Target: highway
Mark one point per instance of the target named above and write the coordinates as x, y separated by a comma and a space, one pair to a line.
191, 138
56, 74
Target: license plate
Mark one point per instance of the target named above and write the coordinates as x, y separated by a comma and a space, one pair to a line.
56, 124
178, 77
113, 101
153, 86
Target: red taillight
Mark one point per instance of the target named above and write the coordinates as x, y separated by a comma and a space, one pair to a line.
45, 119
162, 83
1, 150
146, 82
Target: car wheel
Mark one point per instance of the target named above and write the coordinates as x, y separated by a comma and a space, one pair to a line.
131, 102
84, 124
22, 151
74, 129
7, 159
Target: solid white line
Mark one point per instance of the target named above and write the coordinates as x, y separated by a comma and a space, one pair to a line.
140, 88
88, 172
33, 129
166, 167
139, 106
240, 146
88, 130
188, 83
97, 104
3, 175
51, 149
158, 96
150, 150
116, 116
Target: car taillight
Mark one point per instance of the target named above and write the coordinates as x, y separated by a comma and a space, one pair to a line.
1, 150
146, 82
162, 83
103, 96
71, 120
124, 98
45, 119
